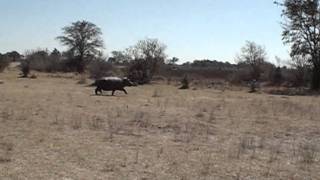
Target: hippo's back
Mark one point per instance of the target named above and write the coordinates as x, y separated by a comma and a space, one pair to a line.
111, 79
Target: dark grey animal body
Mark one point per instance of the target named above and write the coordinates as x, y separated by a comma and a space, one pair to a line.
111, 84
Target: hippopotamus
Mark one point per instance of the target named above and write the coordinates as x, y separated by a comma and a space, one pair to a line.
111, 84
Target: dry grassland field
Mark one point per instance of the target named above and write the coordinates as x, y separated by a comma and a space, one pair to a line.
54, 128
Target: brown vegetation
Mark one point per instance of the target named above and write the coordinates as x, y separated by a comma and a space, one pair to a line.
53, 128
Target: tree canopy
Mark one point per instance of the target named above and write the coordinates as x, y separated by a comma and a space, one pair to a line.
83, 40
254, 55
301, 29
146, 58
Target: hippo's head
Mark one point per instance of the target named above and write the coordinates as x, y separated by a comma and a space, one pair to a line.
127, 82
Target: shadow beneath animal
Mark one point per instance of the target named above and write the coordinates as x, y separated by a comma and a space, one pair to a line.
108, 95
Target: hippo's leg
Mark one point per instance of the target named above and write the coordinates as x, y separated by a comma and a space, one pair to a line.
98, 90
113, 92
124, 91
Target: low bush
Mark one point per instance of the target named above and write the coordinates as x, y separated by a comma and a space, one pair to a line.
184, 83
4, 63
99, 68
25, 68
40, 60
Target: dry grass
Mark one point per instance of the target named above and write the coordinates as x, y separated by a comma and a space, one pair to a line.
54, 128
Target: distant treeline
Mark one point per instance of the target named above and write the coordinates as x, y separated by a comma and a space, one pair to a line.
56, 61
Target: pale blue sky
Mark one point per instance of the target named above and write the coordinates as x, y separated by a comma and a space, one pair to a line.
192, 29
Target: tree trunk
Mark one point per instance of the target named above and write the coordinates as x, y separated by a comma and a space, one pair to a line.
315, 83
81, 64
255, 73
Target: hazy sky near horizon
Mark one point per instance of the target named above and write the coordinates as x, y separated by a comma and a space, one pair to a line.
202, 29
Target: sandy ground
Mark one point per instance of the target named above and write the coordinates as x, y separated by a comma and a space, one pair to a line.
53, 128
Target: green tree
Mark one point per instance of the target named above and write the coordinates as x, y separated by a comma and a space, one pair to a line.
84, 41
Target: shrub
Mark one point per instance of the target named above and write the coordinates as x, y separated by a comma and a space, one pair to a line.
139, 72
25, 68
99, 68
253, 86
40, 60
70, 64
277, 76
239, 76
4, 63
185, 83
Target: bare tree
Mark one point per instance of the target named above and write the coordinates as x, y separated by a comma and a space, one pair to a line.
4, 62
147, 57
119, 57
150, 48
253, 55
301, 29
84, 40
